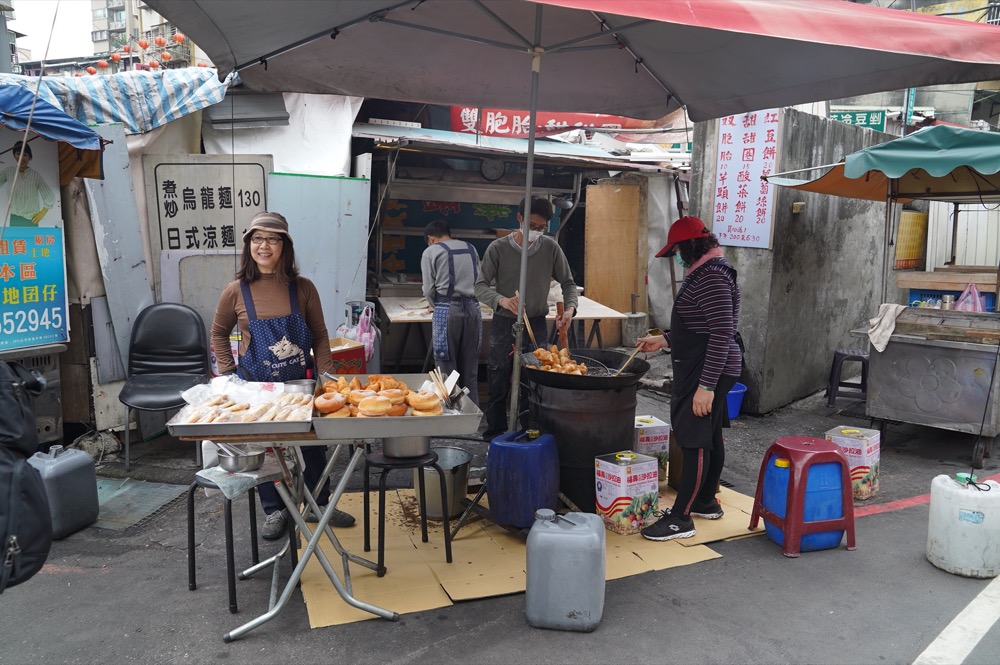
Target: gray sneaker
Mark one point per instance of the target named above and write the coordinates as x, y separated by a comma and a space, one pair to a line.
339, 519
275, 526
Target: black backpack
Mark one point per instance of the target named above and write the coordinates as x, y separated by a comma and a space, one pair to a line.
25, 520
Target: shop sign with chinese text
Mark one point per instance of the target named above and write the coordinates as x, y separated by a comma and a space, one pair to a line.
204, 202
747, 150
33, 283
872, 119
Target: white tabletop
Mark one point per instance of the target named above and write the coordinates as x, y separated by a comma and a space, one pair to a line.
418, 310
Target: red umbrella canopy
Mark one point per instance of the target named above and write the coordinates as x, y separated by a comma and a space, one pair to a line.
640, 58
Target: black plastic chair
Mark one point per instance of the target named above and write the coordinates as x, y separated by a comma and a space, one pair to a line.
167, 354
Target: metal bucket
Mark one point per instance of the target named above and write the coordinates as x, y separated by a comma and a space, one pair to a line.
454, 462
406, 446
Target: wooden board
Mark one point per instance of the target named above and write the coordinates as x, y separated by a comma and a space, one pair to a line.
947, 280
615, 235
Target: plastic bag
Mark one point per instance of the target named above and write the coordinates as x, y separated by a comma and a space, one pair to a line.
365, 332
969, 301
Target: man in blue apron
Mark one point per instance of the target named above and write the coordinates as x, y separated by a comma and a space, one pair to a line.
450, 268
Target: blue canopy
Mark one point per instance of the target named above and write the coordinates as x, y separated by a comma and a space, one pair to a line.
80, 147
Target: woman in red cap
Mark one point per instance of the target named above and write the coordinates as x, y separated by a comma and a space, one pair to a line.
707, 362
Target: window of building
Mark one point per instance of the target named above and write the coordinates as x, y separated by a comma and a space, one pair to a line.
100, 13
98, 35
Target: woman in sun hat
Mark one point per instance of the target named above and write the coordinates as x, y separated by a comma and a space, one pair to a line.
282, 332
707, 362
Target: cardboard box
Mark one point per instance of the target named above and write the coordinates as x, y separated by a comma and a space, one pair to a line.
861, 447
627, 490
348, 356
652, 437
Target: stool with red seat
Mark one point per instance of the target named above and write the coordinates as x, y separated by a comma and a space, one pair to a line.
803, 452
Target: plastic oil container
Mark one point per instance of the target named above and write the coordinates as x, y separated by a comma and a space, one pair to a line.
823, 501
963, 531
565, 571
522, 475
71, 486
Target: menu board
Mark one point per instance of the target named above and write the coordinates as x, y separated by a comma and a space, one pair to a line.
747, 150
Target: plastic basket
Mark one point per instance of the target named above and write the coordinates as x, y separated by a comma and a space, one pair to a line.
734, 400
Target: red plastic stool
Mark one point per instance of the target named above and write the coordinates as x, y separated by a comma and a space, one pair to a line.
802, 452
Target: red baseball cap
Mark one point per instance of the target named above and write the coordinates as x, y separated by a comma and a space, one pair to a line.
685, 228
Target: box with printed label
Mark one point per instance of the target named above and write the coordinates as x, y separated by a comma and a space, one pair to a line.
652, 437
861, 448
627, 490
348, 355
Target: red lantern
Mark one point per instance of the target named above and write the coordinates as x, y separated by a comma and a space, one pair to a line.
153, 64
116, 57
179, 38
127, 48
160, 41
103, 64
165, 56
143, 43
203, 64
78, 74
91, 70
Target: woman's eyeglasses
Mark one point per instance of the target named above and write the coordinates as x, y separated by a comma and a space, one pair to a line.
270, 240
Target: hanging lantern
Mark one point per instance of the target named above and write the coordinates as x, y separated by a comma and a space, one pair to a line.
160, 41
203, 64
127, 48
78, 74
165, 56
179, 38
103, 64
143, 43
91, 70
153, 64
115, 57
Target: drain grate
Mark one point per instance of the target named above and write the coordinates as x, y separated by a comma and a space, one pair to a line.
127, 503
726, 483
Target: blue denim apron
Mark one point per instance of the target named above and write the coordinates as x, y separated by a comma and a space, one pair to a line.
443, 303
279, 347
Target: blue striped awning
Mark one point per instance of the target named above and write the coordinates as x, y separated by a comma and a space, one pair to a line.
139, 100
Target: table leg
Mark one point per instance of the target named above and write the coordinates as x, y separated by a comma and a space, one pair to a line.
402, 346
312, 547
595, 331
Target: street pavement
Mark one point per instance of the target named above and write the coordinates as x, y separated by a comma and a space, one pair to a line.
107, 596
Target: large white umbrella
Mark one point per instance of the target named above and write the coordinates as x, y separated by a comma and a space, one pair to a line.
639, 58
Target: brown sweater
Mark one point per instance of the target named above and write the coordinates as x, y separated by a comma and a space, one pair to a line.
270, 299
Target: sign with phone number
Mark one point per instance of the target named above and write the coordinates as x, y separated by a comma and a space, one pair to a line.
33, 306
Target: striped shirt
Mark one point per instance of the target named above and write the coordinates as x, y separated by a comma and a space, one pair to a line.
709, 304
31, 193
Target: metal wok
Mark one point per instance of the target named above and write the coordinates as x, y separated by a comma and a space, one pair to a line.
610, 359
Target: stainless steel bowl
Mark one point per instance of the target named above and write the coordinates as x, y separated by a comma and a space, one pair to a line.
251, 459
307, 386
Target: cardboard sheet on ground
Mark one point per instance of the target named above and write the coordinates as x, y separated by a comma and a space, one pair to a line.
487, 559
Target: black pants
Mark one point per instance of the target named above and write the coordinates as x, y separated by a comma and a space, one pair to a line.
702, 467
315, 459
500, 366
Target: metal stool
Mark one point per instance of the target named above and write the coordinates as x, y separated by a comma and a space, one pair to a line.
802, 452
857, 390
387, 464
228, 516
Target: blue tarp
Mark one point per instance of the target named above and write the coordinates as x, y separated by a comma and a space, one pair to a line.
139, 100
47, 120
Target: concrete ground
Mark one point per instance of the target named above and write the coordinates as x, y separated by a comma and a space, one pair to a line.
123, 597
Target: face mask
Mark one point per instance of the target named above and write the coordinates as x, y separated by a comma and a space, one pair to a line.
679, 261
534, 235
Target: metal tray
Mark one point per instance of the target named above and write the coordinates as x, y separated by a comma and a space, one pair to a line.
208, 430
466, 421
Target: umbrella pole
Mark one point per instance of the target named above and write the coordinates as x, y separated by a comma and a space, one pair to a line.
515, 381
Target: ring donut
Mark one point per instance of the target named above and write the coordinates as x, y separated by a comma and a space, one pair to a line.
343, 412
375, 406
357, 395
395, 395
329, 402
423, 401
397, 410
437, 411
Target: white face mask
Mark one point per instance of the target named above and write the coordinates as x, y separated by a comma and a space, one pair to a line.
534, 235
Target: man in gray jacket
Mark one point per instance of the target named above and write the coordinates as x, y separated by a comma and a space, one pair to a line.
449, 268
497, 285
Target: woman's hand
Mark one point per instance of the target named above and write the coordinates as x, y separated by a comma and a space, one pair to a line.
651, 343
702, 402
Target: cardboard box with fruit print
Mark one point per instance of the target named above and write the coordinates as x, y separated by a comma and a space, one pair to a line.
627, 490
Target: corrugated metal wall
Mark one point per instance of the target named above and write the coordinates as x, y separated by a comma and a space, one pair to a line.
978, 235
